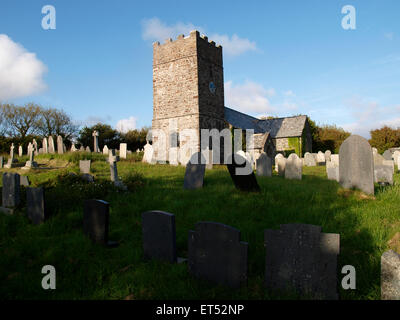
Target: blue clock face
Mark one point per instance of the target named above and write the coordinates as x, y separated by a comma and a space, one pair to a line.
212, 87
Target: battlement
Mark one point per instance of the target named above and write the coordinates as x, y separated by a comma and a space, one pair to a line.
183, 47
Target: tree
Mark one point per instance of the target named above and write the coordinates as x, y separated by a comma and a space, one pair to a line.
107, 136
385, 138
57, 122
135, 139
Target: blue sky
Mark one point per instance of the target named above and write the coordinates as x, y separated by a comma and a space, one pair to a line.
281, 58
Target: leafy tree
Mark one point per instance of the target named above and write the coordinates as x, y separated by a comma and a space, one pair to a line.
135, 139
56, 122
385, 138
107, 136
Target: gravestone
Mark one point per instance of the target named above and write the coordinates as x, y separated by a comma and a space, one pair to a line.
215, 253
84, 166
300, 257
35, 146
332, 171
82, 149
45, 146
387, 155
280, 163
293, 167
328, 154
320, 158
95, 135
60, 145
88, 149
24, 181
383, 174
31, 162
194, 174
396, 157
35, 206
242, 174
11, 190
73, 148
96, 221
378, 159
10, 162
356, 167
159, 236
123, 150
335, 159
264, 165
1, 162
105, 150
20, 151
52, 148
390, 275
148, 156
389, 163
309, 160
112, 160
30, 148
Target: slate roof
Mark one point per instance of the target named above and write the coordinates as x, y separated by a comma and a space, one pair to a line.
277, 128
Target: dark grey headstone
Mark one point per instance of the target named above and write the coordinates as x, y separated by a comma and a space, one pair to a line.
24, 181
299, 258
84, 166
194, 174
242, 174
159, 237
11, 190
356, 165
96, 221
35, 206
264, 165
387, 155
215, 253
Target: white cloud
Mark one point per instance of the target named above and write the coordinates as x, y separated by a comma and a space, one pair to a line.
389, 35
289, 93
21, 73
156, 30
248, 97
125, 125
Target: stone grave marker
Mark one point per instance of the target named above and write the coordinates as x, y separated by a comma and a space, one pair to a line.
396, 157
309, 160
390, 275
356, 167
264, 165
242, 173
332, 171
387, 155
280, 162
335, 159
194, 174
293, 167
300, 257
45, 146
383, 174
96, 221
20, 151
35, 206
148, 156
31, 163
215, 253
88, 149
389, 163
10, 162
123, 150
1, 162
159, 236
105, 150
60, 145
11, 191
328, 154
52, 148
24, 181
73, 148
95, 135
84, 166
320, 158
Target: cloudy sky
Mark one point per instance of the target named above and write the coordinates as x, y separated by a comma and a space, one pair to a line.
281, 58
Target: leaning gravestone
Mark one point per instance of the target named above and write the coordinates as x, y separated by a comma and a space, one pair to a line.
387, 155
159, 236
299, 257
293, 167
35, 206
194, 174
242, 173
215, 253
309, 160
123, 150
390, 275
264, 165
96, 221
356, 167
11, 190
84, 166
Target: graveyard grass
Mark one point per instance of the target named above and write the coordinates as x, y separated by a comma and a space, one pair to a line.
89, 271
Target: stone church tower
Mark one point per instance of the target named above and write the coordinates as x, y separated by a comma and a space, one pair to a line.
188, 90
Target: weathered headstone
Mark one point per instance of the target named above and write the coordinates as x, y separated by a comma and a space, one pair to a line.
123, 150
332, 171
390, 275
300, 258
356, 167
148, 156
335, 159
309, 160
293, 167
60, 145
387, 155
96, 141
280, 163
112, 160
215, 253
264, 165
73, 148
35, 205
389, 163
320, 158
194, 174
82, 149
84, 166
24, 181
88, 149
383, 174
11, 190
20, 151
96, 221
52, 148
159, 236
31, 163
378, 159
328, 154
45, 146
10, 161
105, 150
242, 173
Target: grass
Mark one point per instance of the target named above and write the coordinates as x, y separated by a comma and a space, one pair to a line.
89, 271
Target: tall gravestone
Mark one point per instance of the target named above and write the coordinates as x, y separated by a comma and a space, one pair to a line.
96, 141
328, 154
96, 215
300, 258
112, 160
242, 173
390, 275
194, 174
52, 148
148, 156
20, 151
45, 145
10, 161
11, 190
159, 236
1, 162
60, 145
88, 149
264, 165
123, 148
356, 167
280, 163
215, 253
35, 205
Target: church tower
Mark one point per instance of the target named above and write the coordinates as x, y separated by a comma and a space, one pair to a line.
188, 89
